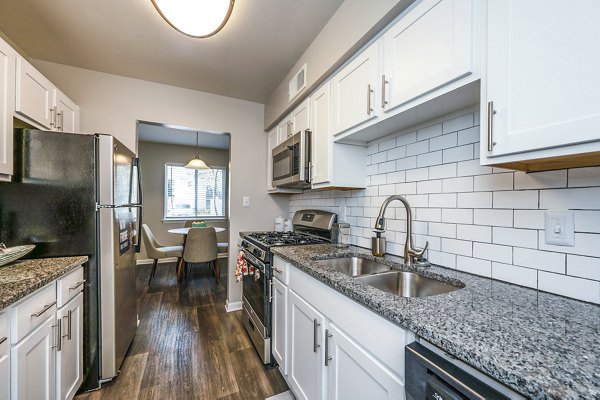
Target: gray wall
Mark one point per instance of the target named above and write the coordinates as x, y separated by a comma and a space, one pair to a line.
153, 157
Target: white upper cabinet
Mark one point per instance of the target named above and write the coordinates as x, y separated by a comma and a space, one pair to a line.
35, 95
354, 97
67, 113
428, 48
541, 92
7, 106
300, 117
321, 135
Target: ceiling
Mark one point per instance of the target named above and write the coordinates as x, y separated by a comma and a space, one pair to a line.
247, 60
156, 133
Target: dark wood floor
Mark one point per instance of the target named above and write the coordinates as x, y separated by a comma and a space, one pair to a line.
188, 347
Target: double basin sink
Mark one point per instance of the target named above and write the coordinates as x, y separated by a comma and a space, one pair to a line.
383, 277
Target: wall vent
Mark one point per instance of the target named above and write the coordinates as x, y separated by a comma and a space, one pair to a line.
297, 83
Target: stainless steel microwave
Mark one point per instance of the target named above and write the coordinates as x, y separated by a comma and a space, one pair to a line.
292, 163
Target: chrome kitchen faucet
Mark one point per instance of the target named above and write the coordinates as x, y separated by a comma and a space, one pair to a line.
412, 255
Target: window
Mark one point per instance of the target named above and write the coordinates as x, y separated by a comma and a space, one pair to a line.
192, 193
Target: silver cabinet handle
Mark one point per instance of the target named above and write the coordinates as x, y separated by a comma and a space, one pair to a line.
43, 310
77, 285
279, 271
327, 356
490, 125
310, 171
69, 332
270, 291
2, 340
383, 83
315, 327
369, 91
52, 116
59, 121
58, 345
289, 129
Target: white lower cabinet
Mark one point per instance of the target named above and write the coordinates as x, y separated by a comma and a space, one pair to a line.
33, 372
336, 348
279, 325
352, 373
69, 360
4, 358
306, 327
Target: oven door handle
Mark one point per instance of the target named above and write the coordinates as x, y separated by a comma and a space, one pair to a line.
250, 260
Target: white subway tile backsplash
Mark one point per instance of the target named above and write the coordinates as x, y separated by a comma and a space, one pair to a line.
494, 217
429, 132
443, 142
493, 252
474, 266
525, 199
460, 153
474, 233
442, 171
583, 267
584, 177
483, 220
563, 199
457, 124
517, 275
475, 200
578, 288
544, 260
428, 159
515, 237
485, 183
529, 219
459, 216
541, 180
463, 184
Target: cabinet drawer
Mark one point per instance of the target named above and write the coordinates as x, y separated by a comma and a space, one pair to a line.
33, 311
3, 333
280, 270
68, 286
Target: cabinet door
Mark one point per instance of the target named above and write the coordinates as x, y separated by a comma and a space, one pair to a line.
354, 374
67, 114
7, 96
34, 95
4, 358
285, 129
428, 48
300, 117
33, 366
279, 325
305, 359
272, 142
321, 134
542, 75
69, 360
353, 91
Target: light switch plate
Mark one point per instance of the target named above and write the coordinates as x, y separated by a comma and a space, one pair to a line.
246, 201
560, 228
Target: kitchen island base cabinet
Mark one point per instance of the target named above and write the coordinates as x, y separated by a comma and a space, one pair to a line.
306, 327
353, 373
34, 364
69, 359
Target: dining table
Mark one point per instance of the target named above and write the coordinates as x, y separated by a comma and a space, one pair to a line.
184, 231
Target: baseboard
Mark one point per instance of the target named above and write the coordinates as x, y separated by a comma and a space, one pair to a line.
160, 261
229, 307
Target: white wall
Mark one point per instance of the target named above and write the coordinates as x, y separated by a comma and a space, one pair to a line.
112, 104
482, 220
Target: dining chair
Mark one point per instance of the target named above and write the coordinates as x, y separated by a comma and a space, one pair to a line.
157, 251
201, 247
223, 246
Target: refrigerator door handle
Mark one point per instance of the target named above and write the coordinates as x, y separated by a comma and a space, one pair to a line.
136, 163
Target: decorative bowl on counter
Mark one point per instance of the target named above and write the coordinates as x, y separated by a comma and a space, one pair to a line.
10, 254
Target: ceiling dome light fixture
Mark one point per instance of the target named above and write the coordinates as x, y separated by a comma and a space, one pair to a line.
195, 18
196, 162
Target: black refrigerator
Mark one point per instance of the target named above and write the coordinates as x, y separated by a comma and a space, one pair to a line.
79, 194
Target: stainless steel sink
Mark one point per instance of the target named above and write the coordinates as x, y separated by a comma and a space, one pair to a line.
355, 266
407, 284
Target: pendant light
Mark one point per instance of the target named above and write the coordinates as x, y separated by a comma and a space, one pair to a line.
195, 18
196, 162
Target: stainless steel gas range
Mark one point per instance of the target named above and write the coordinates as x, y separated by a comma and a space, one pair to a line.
310, 227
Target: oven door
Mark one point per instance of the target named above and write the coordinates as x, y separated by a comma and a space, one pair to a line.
256, 291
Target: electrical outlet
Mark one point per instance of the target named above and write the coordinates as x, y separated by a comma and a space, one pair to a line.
246, 201
560, 228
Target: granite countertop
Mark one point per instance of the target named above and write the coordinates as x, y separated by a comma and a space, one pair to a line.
541, 345
21, 278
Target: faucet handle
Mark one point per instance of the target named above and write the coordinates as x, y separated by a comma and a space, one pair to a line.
419, 253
